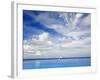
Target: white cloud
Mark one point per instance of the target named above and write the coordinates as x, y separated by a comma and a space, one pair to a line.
70, 28
76, 48
77, 44
43, 36
60, 28
77, 33
69, 47
86, 21
78, 15
67, 26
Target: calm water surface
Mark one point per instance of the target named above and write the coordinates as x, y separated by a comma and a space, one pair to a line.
56, 63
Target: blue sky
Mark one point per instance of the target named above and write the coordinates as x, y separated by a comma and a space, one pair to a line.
34, 27
70, 29
57, 24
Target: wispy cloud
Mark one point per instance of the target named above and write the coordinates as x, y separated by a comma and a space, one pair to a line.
71, 23
69, 31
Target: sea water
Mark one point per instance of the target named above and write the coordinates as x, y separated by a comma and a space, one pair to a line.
56, 63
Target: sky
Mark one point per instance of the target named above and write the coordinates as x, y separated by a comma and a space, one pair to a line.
68, 29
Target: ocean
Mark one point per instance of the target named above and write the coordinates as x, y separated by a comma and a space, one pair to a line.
56, 63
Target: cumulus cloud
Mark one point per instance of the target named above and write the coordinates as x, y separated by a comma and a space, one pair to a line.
43, 36
69, 26
47, 49
72, 26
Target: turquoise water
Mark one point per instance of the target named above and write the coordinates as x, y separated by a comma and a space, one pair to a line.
56, 63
